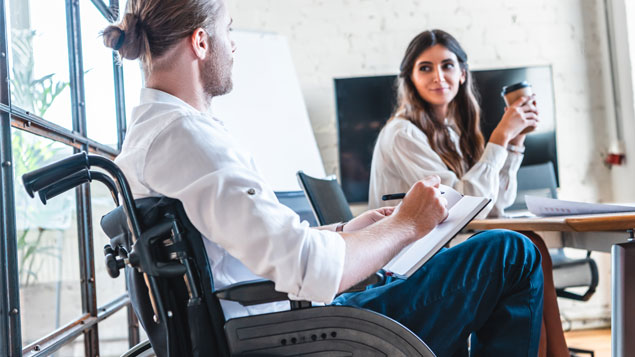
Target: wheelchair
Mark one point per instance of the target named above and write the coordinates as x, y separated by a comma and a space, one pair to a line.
172, 292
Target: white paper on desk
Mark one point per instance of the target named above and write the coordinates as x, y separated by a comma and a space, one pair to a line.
542, 206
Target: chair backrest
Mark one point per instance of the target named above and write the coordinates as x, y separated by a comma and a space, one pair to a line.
574, 273
195, 326
535, 180
297, 201
540, 180
326, 197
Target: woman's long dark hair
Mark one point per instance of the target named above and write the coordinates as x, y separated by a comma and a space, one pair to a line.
464, 107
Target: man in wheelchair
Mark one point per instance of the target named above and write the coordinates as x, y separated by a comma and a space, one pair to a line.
489, 287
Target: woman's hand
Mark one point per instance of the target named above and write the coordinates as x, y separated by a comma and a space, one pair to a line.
367, 218
519, 119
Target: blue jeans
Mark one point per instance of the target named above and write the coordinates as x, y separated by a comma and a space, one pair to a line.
489, 286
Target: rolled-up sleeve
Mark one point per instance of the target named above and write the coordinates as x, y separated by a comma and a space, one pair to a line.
230, 204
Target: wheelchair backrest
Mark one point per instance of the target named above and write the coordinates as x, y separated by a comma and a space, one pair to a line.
195, 325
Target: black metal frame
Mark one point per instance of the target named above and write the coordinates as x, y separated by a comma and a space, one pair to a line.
10, 342
14, 118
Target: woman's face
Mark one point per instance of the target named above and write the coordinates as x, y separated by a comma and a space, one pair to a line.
437, 76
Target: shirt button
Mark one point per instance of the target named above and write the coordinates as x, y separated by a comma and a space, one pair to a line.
251, 191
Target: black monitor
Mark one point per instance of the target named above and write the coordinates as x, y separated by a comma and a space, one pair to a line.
364, 104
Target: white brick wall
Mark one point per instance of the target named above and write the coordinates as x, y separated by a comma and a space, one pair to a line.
330, 39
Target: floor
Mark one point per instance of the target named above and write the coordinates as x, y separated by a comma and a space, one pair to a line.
597, 340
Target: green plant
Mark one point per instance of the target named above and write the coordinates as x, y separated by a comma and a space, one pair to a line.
28, 253
34, 94
29, 153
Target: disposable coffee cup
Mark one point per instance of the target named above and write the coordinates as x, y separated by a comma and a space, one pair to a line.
512, 92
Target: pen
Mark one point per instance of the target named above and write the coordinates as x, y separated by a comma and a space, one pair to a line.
393, 196
396, 196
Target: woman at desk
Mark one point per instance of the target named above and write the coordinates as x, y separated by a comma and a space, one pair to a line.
435, 130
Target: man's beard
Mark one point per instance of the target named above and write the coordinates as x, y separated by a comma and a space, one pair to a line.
216, 77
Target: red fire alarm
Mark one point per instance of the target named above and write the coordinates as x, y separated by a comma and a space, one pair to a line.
616, 154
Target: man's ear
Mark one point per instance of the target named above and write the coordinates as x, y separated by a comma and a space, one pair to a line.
200, 43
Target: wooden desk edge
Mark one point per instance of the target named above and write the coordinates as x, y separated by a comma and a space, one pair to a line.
582, 223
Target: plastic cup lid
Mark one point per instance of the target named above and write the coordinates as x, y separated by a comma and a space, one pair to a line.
515, 86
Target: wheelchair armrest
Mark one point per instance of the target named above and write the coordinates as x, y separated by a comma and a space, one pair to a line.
371, 280
256, 292
251, 293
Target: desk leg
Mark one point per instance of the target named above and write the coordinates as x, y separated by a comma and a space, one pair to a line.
623, 298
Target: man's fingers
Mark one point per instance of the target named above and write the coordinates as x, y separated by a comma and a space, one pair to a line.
445, 216
443, 201
386, 211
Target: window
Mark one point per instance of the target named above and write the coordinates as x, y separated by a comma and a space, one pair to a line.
620, 18
48, 255
60, 92
39, 60
98, 79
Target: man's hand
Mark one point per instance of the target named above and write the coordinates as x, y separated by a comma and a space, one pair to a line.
369, 249
367, 218
423, 208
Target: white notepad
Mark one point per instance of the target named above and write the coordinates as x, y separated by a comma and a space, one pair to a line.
462, 209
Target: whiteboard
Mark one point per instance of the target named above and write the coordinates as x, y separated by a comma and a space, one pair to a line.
266, 112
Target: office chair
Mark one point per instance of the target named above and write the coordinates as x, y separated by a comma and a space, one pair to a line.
534, 180
297, 201
329, 206
326, 197
568, 272
573, 273
171, 286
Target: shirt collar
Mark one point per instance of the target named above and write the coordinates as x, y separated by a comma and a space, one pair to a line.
151, 95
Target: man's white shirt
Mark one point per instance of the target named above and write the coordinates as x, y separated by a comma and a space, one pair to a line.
173, 150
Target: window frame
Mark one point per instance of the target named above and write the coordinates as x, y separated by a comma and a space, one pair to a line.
15, 118
620, 65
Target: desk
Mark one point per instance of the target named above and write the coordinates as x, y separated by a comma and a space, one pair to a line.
601, 231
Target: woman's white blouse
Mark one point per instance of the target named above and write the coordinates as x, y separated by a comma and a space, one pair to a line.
403, 155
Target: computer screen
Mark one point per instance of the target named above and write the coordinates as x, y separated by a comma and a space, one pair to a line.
364, 104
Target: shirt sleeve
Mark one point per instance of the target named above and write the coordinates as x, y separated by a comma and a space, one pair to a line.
508, 186
414, 159
230, 204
